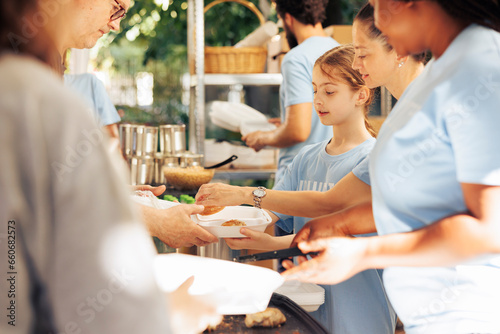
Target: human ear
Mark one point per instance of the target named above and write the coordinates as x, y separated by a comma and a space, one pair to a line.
288, 19
401, 60
363, 95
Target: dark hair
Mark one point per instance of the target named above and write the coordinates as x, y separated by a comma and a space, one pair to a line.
13, 37
366, 16
337, 64
482, 12
305, 11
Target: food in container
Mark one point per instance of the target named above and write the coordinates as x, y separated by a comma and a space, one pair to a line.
255, 219
162, 161
211, 210
187, 178
234, 222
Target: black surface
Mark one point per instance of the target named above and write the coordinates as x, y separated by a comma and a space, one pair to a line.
298, 321
277, 254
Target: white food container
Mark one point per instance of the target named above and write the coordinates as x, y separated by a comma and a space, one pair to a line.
255, 219
231, 287
308, 295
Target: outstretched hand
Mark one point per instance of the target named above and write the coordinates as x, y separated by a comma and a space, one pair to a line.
157, 191
339, 259
219, 194
175, 227
322, 227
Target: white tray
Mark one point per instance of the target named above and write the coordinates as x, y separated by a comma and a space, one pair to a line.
231, 287
255, 219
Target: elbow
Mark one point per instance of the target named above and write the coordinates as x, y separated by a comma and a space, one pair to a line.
299, 137
493, 242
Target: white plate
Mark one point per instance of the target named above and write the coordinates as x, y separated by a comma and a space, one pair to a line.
247, 127
256, 219
233, 288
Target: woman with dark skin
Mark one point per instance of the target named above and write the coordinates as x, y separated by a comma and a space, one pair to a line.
435, 176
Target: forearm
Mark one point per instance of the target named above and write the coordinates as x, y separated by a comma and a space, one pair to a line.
147, 213
283, 137
446, 242
307, 204
349, 191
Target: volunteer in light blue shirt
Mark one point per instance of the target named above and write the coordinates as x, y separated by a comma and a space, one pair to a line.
358, 305
435, 175
442, 133
94, 93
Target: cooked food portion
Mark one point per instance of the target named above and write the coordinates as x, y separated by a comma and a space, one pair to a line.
234, 222
271, 317
211, 210
188, 178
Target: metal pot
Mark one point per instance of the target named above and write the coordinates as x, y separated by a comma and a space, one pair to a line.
125, 131
172, 138
162, 161
144, 140
142, 170
189, 159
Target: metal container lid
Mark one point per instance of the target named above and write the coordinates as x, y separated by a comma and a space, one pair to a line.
191, 159
173, 126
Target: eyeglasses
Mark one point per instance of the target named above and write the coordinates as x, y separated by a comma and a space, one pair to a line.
119, 14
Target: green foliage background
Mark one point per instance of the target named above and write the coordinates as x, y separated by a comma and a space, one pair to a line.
154, 39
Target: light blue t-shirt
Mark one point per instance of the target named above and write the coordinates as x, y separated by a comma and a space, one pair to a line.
94, 93
358, 305
362, 170
444, 131
296, 88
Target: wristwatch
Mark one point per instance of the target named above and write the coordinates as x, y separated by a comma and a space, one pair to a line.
258, 195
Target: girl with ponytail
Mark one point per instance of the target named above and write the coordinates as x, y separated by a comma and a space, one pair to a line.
342, 101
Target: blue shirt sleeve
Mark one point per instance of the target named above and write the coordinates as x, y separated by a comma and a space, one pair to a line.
297, 82
362, 170
285, 183
477, 115
105, 109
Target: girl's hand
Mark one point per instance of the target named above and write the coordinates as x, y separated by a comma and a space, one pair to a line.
339, 259
254, 240
218, 194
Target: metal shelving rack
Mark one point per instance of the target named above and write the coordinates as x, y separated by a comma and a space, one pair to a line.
198, 78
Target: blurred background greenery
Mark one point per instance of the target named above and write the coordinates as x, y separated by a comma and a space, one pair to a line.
153, 39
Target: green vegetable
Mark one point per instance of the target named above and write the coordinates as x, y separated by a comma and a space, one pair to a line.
186, 199
170, 198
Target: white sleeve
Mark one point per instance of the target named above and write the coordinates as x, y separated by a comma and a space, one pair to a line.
81, 235
102, 255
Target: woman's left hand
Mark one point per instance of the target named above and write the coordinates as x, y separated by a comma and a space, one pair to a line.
339, 259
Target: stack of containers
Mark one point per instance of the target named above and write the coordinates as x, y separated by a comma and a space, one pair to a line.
172, 148
139, 145
308, 295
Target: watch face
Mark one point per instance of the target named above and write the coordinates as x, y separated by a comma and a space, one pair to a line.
259, 192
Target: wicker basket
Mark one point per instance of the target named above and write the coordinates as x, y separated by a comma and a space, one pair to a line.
228, 59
